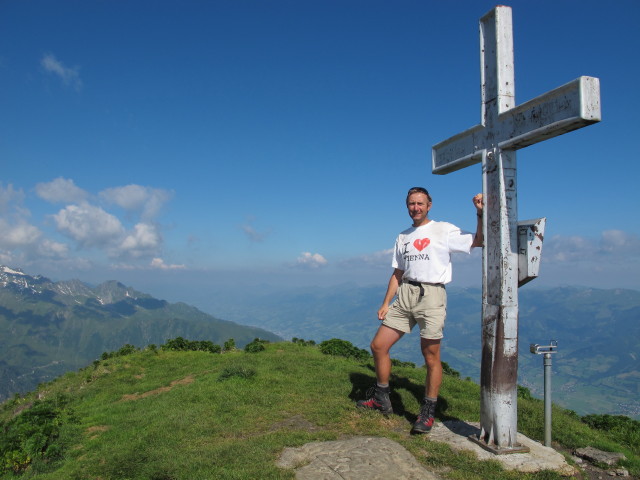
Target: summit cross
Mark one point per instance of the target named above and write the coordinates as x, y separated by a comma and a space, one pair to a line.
506, 128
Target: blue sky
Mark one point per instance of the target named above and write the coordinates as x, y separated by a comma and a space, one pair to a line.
181, 145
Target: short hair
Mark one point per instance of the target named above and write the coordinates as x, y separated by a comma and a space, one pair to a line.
417, 190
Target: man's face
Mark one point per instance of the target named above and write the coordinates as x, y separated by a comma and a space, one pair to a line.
418, 205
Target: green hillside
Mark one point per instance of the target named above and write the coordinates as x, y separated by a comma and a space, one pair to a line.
162, 414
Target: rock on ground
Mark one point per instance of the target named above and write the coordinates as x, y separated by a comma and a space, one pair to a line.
598, 456
354, 459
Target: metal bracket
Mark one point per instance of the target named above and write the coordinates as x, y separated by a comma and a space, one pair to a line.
544, 349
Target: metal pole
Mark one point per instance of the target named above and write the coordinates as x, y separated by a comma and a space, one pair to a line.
547, 399
546, 350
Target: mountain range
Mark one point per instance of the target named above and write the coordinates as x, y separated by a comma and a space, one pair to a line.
48, 328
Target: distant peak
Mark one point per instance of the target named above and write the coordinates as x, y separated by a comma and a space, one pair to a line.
12, 271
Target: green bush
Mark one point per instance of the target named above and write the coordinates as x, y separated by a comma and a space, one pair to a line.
256, 345
343, 348
229, 345
304, 343
179, 344
33, 435
524, 392
204, 346
399, 363
624, 429
126, 349
447, 370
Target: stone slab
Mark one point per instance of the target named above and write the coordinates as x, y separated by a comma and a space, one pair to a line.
354, 459
598, 456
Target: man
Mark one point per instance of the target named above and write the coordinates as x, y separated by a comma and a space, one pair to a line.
422, 267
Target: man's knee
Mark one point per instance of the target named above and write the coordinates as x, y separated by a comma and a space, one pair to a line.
431, 351
378, 347
433, 364
384, 340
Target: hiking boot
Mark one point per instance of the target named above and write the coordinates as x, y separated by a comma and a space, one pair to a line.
425, 419
377, 399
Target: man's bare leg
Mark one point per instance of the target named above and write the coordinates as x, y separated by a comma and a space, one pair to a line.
378, 397
426, 417
381, 344
431, 353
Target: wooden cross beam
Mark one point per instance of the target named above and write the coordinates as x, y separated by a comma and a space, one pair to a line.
505, 128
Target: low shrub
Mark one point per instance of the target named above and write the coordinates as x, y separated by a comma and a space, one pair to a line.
179, 344
626, 430
524, 392
343, 348
447, 370
126, 349
399, 363
229, 345
304, 343
257, 345
33, 435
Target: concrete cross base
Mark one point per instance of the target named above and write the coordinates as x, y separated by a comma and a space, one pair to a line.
517, 448
456, 434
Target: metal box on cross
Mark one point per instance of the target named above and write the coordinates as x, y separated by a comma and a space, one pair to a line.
530, 237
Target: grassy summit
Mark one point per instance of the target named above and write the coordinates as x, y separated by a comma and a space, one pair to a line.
163, 414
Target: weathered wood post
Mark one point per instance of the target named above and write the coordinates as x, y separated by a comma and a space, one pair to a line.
504, 129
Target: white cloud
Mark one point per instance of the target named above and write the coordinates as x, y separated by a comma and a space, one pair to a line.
11, 203
9, 196
144, 240
61, 190
311, 260
158, 263
619, 242
21, 241
381, 258
49, 248
612, 246
88, 225
6, 258
568, 248
91, 226
18, 235
136, 198
69, 76
254, 235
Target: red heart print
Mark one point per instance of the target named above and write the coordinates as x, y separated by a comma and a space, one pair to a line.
421, 243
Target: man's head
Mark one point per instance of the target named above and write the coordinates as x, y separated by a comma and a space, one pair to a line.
418, 205
418, 190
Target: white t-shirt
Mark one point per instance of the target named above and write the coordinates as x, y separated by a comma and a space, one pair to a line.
424, 253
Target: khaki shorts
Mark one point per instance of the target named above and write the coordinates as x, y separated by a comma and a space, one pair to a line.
410, 308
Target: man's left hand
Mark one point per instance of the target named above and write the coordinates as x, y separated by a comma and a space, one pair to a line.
478, 202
